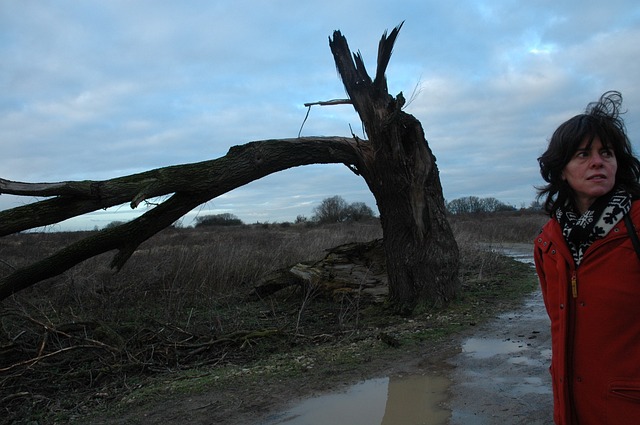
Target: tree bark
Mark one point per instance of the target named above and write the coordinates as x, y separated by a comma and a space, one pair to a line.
399, 168
396, 163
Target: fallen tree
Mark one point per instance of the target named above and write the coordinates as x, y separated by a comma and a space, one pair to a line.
190, 186
421, 254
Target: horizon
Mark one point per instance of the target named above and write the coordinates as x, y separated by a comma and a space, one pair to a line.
96, 90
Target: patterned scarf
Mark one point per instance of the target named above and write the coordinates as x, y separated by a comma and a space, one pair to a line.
581, 231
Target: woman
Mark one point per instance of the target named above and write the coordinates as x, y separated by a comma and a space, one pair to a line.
588, 268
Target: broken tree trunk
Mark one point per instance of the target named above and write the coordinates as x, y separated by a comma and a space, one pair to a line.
399, 168
396, 163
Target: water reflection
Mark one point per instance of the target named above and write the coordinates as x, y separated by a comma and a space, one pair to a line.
416, 400
483, 348
410, 400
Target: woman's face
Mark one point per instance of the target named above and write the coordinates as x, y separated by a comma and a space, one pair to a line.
591, 173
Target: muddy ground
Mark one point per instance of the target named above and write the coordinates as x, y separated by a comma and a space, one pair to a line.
494, 375
501, 374
498, 372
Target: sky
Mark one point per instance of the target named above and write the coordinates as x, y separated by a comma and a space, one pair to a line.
91, 90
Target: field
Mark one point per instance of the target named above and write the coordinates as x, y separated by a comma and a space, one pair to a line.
181, 322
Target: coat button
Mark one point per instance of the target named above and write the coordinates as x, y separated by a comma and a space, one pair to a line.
579, 379
561, 306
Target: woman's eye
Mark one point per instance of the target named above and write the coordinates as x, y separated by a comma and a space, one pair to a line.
606, 153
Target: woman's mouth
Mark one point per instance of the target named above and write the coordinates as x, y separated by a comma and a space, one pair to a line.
597, 177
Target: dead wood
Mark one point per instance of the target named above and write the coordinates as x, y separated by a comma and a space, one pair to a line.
354, 269
189, 185
421, 254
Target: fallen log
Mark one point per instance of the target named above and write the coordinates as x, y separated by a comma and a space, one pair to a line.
349, 269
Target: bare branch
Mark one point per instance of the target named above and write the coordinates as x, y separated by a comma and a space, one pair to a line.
242, 164
190, 184
33, 361
330, 102
43, 189
322, 103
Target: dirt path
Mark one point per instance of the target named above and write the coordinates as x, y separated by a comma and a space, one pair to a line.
496, 373
501, 374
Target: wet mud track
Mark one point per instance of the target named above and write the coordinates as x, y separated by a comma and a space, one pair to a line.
501, 374
495, 374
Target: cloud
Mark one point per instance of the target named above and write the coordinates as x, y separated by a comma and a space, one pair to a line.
93, 90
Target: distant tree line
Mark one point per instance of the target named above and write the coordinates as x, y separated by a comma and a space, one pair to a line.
337, 210
225, 219
473, 204
331, 210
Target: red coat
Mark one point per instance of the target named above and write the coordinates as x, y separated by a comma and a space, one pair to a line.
595, 332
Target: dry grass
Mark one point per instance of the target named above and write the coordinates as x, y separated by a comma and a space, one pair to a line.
499, 227
180, 303
177, 268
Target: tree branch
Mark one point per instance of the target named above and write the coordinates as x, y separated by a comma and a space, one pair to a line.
241, 165
330, 102
191, 185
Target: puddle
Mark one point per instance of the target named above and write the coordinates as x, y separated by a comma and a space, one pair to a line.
518, 251
410, 400
483, 348
492, 377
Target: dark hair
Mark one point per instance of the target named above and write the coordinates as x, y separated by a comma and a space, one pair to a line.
601, 120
